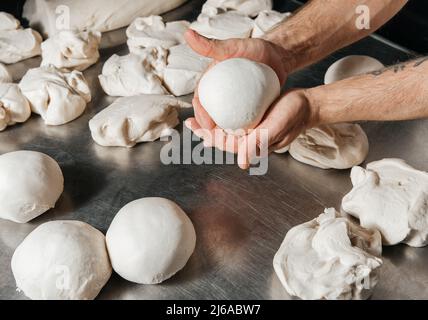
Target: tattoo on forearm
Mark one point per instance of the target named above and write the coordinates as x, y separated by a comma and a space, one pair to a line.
401, 66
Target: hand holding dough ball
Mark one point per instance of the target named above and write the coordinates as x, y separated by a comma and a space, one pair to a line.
150, 240
59, 97
237, 92
14, 107
62, 260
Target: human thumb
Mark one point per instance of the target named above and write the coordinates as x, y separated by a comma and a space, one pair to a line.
216, 49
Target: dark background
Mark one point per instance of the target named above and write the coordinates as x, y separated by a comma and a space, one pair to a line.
408, 29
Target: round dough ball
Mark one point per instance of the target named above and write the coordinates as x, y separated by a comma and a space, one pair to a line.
351, 66
30, 184
62, 260
237, 92
150, 240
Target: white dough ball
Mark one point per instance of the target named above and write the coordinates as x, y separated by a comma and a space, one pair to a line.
30, 184
237, 92
62, 260
351, 66
150, 240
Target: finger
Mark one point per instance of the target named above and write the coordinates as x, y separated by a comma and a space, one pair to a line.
202, 115
243, 162
216, 49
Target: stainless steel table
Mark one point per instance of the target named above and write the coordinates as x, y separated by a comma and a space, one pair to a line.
240, 220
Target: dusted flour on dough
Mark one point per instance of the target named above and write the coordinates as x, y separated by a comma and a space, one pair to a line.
337, 146
8, 22
133, 74
62, 260
59, 97
71, 50
14, 107
223, 26
330, 258
154, 32
266, 21
391, 196
250, 8
150, 240
5, 76
96, 15
131, 120
30, 184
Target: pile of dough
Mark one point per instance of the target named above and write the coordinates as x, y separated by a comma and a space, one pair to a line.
266, 21
131, 120
237, 92
337, 146
96, 15
59, 97
184, 69
30, 184
14, 107
71, 50
62, 260
5, 76
154, 32
133, 74
250, 8
351, 66
391, 196
16, 43
150, 240
330, 258
231, 24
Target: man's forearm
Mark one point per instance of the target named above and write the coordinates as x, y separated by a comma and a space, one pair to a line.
324, 26
399, 92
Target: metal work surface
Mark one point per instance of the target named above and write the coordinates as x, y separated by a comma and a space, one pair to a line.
240, 220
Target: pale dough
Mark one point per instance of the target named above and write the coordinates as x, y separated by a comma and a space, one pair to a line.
248, 7
133, 74
95, 15
283, 150
336, 146
131, 120
8, 21
266, 21
59, 97
30, 184
150, 240
237, 92
351, 66
391, 196
62, 260
330, 258
5, 76
154, 32
71, 50
14, 107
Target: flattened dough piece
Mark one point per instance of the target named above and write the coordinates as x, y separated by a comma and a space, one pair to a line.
71, 50
266, 21
250, 8
58, 97
336, 146
5, 76
131, 120
330, 258
391, 196
14, 107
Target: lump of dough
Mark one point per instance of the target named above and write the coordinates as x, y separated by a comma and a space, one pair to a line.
391, 196
154, 32
14, 107
96, 15
71, 50
231, 24
133, 74
131, 120
250, 8
330, 258
283, 150
8, 22
184, 69
266, 21
336, 146
59, 97
237, 92
62, 260
5, 76
351, 66
150, 240
30, 184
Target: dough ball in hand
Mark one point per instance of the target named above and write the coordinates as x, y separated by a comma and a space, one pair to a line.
237, 92
62, 260
330, 258
30, 184
149, 240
